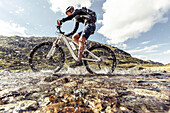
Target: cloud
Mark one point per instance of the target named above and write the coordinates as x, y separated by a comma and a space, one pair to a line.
61, 5
146, 42
159, 58
19, 10
99, 21
10, 29
125, 19
166, 52
141, 57
121, 45
149, 49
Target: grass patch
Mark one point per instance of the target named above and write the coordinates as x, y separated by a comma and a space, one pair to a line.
126, 66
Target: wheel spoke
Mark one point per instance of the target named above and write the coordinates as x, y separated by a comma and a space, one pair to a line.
38, 60
107, 63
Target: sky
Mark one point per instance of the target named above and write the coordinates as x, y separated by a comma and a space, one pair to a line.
139, 27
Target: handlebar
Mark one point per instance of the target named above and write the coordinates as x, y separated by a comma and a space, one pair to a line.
61, 32
59, 29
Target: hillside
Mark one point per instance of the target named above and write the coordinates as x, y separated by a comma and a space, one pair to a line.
14, 53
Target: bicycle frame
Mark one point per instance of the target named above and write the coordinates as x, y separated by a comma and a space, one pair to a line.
64, 38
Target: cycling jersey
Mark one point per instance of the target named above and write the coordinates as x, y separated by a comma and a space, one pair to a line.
79, 17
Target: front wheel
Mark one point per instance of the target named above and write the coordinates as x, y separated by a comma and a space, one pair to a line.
107, 63
38, 58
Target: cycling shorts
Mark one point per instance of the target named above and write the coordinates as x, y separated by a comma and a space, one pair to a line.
88, 30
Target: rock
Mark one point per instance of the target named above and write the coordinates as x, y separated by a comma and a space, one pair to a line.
141, 68
54, 108
149, 93
81, 92
7, 108
96, 105
44, 102
87, 93
60, 81
59, 89
50, 79
88, 83
71, 107
69, 97
108, 109
156, 74
1, 102
164, 71
3, 92
105, 91
71, 84
26, 105
36, 95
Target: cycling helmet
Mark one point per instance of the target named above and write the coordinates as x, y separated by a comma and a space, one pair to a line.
69, 8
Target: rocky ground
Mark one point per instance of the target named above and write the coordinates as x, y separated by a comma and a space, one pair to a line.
122, 92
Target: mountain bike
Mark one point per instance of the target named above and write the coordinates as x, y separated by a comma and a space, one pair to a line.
97, 59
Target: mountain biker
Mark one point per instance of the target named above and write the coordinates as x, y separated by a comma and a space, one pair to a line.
81, 37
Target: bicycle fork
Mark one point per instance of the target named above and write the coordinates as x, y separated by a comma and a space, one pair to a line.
53, 48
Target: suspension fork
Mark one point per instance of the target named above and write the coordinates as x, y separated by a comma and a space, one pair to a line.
53, 48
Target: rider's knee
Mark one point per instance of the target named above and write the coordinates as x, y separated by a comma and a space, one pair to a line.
81, 43
76, 36
82, 39
81, 47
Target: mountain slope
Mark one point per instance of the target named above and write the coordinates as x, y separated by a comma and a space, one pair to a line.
14, 52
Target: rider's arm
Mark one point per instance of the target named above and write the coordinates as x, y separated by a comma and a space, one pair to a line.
75, 28
70, 17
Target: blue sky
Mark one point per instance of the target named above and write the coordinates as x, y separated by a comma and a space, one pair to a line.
140, 27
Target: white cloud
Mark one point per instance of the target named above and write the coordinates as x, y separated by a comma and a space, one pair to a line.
10, 29
143, 57
61, 5
121, 45
124, 19
146, 42
124, 45
19, 10
99, 21
159, 58
0, 4
149, 49
166, 52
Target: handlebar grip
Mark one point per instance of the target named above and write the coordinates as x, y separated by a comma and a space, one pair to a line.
59, 28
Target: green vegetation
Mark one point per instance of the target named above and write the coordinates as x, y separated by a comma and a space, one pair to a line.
168, 64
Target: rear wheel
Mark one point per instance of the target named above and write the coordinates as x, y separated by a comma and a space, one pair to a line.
38, 60
107, 63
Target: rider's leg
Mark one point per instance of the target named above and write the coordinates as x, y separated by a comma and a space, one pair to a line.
88, 30
81, 47
76, 38
81, 42
80, 38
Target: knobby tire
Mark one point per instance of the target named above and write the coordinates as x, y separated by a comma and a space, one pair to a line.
109, 60
38, 60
